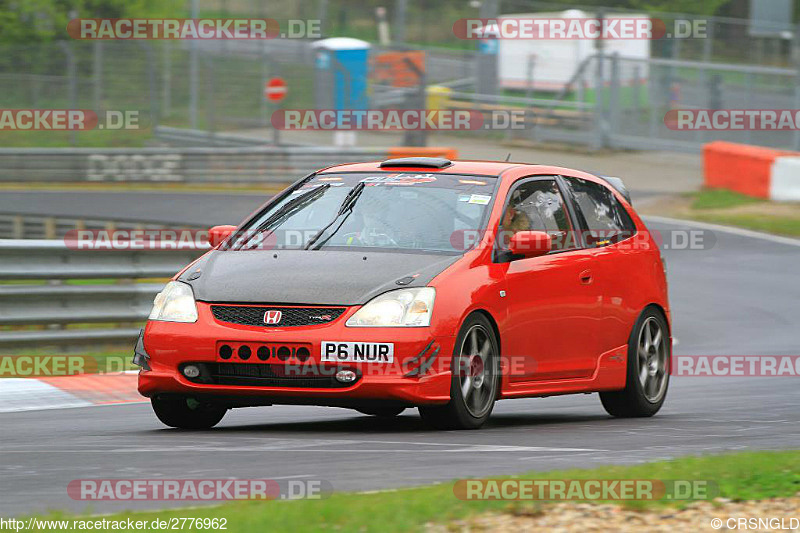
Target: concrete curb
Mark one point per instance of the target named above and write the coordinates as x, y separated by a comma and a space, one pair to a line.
64, 392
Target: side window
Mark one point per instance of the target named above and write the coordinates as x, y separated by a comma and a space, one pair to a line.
605, 218
537, 206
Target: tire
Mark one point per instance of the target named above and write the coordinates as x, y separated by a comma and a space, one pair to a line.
186, 413
475, 379
647, 380
382, 412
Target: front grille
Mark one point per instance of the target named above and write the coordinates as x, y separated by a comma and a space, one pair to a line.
249, 315
266, 375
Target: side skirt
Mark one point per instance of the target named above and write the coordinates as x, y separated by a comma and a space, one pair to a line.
610, 374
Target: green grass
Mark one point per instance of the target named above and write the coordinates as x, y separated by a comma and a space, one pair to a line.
720, 199
719, 206
779, 225
742, 476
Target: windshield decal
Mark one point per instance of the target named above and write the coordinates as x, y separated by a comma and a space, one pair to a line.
480, 199
314, 185
400, 179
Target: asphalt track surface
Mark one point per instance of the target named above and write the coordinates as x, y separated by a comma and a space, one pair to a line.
739, 297
173, 208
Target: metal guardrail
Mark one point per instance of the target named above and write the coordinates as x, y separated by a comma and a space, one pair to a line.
95, 290
53, 260
75, 304
26, 226
190, 137
265, 164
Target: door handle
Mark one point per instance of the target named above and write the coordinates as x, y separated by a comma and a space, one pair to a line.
586, 277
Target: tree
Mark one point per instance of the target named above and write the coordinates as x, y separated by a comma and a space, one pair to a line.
30, 21
692, 7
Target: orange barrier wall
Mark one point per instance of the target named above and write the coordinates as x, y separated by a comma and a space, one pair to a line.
739, 167
423, 151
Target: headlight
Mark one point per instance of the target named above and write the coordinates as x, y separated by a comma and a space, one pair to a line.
175, 303
400, 308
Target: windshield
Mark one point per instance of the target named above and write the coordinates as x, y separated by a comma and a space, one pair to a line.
403, 211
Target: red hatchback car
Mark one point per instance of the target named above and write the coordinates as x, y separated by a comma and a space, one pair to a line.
417, 282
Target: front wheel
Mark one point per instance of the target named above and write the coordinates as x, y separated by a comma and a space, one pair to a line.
186, 413
475, 379
649, 353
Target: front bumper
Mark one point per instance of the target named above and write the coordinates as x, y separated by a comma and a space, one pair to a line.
420, 373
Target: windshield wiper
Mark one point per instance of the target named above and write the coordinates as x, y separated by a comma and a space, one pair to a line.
285, 210
347, 207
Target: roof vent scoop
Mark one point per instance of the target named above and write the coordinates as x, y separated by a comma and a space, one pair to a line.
420, 162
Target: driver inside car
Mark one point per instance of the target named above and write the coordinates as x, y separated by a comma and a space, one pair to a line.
513, 220
366, 227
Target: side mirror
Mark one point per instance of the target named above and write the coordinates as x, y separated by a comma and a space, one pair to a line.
218, 234
530, 243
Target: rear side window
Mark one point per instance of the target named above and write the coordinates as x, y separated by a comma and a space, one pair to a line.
603, 215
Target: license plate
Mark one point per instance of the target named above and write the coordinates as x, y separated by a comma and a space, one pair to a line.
358, 352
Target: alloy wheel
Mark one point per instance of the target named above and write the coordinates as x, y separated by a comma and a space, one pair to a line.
477, 373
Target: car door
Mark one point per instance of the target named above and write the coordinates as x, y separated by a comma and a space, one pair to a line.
553, 300
607, 230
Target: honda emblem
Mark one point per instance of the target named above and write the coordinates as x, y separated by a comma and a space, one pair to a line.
272, 317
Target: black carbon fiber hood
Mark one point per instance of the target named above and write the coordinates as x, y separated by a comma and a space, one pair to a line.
309, 276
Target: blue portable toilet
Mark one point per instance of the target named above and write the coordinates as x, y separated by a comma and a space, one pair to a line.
340, 73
